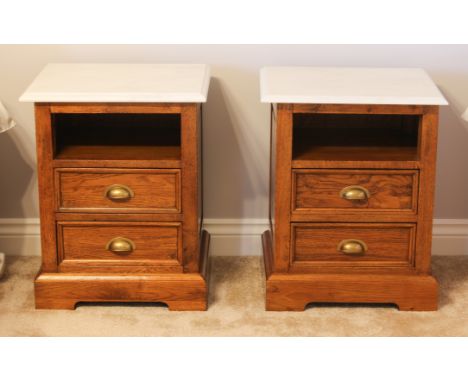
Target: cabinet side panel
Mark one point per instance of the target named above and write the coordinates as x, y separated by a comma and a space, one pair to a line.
282, 195
272, 168
200, 166
44, 142
427, 153
190, 187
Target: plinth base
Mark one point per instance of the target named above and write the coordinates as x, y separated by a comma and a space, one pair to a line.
179, 291
292, 292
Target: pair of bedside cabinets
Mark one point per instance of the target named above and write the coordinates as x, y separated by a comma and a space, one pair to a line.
352, 173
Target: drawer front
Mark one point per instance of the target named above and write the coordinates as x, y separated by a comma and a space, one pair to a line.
117, 244
103, 190
353, 244
354, 190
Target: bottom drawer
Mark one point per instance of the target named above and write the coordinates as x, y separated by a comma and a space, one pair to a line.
114, 246
353, 244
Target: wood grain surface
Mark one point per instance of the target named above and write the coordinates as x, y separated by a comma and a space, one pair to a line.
317, 150
85, 190
388, 244
64, 291
415, 292
389, 190
155, 243
154, 150
44, 148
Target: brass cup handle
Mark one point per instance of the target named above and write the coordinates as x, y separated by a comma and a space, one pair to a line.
119, 192
352, 247
355, 193
120, 245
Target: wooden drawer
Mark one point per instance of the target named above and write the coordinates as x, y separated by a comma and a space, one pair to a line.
353, 244
112, 245
115, 190
353, 190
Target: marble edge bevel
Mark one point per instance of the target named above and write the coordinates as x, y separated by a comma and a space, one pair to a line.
316, 99
144, 97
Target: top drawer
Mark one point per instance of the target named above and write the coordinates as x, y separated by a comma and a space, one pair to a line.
115, 190
377, 190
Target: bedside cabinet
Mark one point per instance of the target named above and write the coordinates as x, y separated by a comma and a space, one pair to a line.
120, 184
353, 153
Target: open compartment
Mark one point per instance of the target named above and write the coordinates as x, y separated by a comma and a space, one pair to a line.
116, 136
355, 137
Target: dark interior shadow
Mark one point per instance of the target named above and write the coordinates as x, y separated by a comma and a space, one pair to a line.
348, 305
123, 304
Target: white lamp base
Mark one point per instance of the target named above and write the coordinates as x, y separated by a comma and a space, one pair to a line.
2, 264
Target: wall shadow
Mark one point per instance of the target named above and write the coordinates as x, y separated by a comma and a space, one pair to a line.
234, 177
452, 156
16, 175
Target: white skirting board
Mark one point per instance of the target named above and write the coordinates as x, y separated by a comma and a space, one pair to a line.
229, 237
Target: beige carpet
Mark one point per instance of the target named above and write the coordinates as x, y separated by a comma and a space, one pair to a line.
236, 309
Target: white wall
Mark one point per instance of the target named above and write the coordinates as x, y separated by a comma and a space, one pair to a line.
236, 135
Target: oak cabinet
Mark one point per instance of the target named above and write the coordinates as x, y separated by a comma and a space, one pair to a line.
120, 183
353, 154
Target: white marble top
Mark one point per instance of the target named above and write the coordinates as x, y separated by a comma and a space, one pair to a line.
388, 86
120, 83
